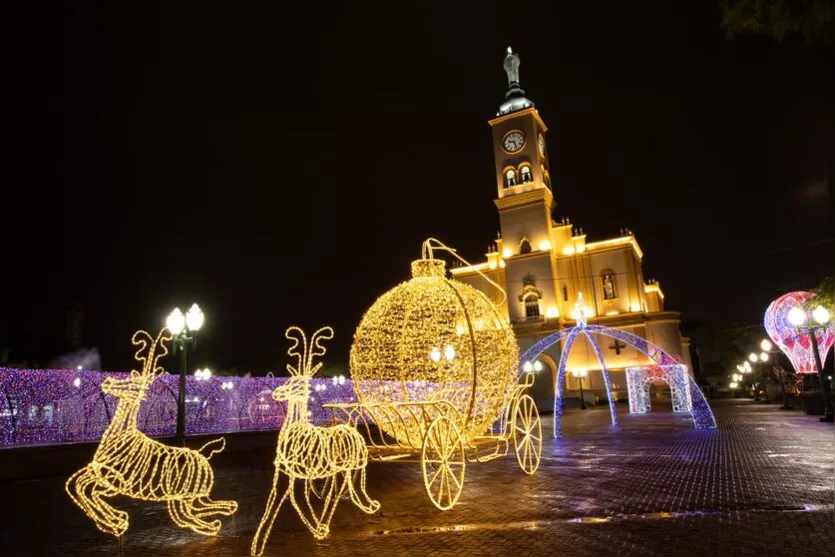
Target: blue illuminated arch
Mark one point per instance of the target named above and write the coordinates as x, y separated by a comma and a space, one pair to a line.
700, 411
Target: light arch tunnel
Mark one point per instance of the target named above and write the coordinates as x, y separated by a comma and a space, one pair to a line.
687, 395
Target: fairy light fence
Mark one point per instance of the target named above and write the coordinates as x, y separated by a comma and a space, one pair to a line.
51, 406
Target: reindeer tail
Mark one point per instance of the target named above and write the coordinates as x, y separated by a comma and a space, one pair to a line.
212, 447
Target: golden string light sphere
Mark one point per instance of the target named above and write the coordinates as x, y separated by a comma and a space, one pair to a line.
433, 339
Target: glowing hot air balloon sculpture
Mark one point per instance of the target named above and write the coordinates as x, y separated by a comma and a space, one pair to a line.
796, 344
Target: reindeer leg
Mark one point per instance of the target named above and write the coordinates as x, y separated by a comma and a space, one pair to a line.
204, 506
266, 524
332, 489
359, 496
84, 489
330, 505
183, 514
310, 519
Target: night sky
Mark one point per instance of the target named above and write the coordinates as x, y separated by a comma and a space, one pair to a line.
283, 167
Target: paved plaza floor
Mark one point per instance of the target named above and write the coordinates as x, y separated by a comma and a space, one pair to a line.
760, 485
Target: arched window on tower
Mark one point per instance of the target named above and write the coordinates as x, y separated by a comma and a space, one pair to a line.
530, 297
525, 172
525, 245
609, 288
546, 176
509, 177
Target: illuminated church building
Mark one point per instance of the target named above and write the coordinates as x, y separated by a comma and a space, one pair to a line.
544, 265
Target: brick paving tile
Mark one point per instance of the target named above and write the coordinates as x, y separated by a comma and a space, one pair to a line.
760, 485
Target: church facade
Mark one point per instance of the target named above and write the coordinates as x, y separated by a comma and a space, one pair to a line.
551, 270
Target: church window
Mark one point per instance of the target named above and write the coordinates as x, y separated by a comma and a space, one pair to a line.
510, 177
525, 245
609, 291
564, 293
531, 307
530, 297
525, 171
546, 176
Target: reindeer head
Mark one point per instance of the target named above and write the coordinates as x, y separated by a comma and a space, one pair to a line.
133, 388
297, 387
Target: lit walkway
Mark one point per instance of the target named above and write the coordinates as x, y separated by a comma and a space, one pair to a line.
762, 484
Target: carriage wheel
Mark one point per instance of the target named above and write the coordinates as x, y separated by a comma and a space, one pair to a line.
527, 434
443, 461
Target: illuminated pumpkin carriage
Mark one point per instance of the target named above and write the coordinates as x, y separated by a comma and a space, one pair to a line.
436, 373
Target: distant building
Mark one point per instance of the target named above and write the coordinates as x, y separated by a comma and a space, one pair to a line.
544, 264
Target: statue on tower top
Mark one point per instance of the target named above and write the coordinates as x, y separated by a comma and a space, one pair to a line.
515, 97
511, 66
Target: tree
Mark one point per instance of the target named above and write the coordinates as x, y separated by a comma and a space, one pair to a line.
824, 294
814, 20
734, 345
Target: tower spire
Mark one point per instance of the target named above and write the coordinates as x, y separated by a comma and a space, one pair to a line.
515, 97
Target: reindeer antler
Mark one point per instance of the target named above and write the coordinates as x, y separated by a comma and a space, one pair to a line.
316, 349
297, 336
143, 340
308, 351
164, 336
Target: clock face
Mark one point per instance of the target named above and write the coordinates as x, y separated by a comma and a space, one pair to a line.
514, 141
541, 141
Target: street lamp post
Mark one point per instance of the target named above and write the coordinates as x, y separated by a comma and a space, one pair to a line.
760, 359
579, 374
184, 329
820, 318
745, 370
769, 349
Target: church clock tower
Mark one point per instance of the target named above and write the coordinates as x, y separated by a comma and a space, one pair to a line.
525, 201
523, 177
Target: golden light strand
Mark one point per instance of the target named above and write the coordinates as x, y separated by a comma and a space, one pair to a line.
127, 462
336, 456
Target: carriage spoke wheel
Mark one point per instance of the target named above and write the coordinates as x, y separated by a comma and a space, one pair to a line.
527, 434
442, 462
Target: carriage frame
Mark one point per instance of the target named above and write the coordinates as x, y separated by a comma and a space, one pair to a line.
434, 434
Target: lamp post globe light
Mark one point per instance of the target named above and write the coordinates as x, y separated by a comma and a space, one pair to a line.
184, 328
808, 322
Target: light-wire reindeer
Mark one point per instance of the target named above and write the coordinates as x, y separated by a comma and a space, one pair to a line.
127, 462
337, 454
